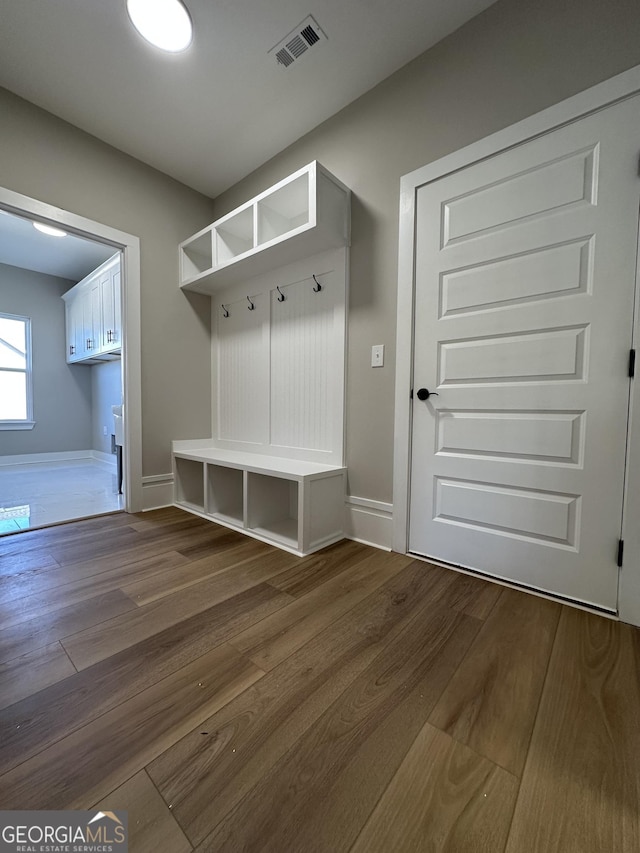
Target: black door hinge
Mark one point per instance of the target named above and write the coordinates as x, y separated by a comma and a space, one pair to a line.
632, 363
411, 394
620, 552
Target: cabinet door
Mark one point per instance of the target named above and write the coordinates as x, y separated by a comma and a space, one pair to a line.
117, 303
73, 313
88, 342
96, 318
110, 307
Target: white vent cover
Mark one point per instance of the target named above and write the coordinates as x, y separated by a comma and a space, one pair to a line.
298, 42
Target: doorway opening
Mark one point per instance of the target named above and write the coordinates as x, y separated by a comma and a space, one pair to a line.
74, 449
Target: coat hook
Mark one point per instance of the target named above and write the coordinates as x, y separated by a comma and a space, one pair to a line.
250, 306
319, 287
225, 312
281, 296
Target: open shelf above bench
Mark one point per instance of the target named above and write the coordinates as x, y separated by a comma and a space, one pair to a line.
306, 213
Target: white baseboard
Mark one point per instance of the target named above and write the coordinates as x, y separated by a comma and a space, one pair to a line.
62, 456
369, 522
157, 491
366, 521
105, 458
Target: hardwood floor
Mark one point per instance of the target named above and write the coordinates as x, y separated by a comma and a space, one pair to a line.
232, 697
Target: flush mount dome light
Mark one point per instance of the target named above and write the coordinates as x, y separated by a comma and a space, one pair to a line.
164, 23
49, 229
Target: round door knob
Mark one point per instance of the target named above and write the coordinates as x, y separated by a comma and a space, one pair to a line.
424, 394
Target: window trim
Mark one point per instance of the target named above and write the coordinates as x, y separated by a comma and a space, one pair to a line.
28, 422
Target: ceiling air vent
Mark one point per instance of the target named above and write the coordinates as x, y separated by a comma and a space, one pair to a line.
298, 42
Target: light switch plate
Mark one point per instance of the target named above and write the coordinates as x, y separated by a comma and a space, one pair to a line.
377, 355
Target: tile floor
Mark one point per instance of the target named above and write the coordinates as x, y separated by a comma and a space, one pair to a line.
36, 495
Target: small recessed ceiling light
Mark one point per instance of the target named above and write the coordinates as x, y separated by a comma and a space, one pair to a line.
49, 229
164, 23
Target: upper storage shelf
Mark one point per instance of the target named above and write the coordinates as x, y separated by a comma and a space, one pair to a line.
302, 215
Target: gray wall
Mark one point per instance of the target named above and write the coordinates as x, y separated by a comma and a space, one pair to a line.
515, 59
50, 160
106, 391
61, 391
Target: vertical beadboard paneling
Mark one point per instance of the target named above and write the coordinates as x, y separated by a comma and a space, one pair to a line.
305, 379
243, 371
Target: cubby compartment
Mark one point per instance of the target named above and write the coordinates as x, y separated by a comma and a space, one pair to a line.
189, 483
234, 236
225, 494
196, 255
272, 508
292, 504
302, 215
284, 210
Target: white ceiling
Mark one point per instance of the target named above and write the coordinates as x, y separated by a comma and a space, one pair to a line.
211, 115
67, 257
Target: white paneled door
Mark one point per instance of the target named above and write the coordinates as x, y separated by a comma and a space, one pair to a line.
525, 277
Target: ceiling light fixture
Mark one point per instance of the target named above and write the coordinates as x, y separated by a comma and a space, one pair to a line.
49, 229
164, 23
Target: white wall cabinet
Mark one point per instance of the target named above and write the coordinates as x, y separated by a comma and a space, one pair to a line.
297, 506
304, 214
93, 315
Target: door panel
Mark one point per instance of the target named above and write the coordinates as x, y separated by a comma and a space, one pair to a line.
525, 277
551, 437
519, 513
539, 190
540, 274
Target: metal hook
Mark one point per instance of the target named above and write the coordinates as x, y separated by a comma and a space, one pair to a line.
281, 296
319, 287
225, 312
250, 306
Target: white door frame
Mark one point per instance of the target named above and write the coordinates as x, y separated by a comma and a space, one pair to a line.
603, 95
23, 205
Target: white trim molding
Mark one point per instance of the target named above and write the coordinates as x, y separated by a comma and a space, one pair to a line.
369, 522
61, 456
157, 491
16, 425
129, 245
603, 95
104, 458
44, 458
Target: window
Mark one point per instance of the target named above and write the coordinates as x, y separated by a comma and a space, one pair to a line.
16, 405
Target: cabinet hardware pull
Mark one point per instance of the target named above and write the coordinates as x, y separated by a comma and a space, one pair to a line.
89, 343
72, 349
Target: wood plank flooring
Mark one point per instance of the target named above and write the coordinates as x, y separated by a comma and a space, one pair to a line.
233, 697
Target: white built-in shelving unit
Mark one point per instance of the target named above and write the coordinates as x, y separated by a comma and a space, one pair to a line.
278, 269
295, 505
300, 216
